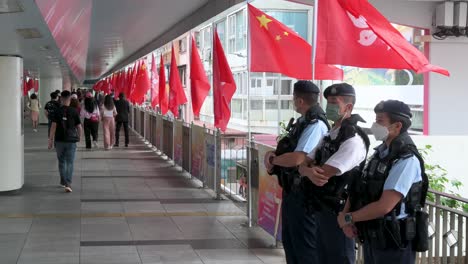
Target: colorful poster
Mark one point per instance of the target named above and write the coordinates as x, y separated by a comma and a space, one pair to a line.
159, 133
198, 151
178, 126
269, 198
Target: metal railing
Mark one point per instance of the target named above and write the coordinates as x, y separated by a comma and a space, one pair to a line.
219, 162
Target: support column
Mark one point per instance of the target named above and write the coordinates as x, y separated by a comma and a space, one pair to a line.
11, 118
47, 85
447, 95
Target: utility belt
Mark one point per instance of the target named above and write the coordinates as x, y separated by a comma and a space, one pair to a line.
396, 233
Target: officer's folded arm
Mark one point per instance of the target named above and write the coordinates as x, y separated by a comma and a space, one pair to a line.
319, 175
377, 209
288, 160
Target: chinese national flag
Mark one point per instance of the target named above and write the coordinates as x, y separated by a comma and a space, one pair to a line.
277, 48
142, 84
154, 83
128, 82
354, 33
176, 91
163, 104
199, 84
133, 81
224, 85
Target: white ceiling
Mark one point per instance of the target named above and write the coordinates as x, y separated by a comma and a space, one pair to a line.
120, 32
43, 63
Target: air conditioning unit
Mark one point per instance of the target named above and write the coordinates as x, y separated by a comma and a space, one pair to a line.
444, 15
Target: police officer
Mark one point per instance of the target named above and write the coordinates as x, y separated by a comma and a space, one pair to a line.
298, 228
391, 193
329, 170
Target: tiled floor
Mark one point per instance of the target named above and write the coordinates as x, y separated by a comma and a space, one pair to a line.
128, 206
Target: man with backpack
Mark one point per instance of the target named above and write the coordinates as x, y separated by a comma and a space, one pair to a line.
50, 109
65, 131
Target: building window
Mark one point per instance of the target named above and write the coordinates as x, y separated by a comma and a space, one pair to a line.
296, 20
183, 74
236, 106
237, 32
232, 33
182, 45
221, 29
241, 31
286, 105
286, 87
256, 105
271, 104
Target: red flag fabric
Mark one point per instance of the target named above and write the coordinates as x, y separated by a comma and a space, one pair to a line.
154, 83
36, 85
30, 84
133, 81
163, 103
25, 86
277, 48
224, 85
128, 78
354, 33
199, 84
142, 84
176, 91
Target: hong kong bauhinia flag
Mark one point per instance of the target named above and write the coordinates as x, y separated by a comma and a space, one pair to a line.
354, 33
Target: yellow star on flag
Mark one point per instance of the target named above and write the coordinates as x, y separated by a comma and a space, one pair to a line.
278, 37
286, 33
264, 21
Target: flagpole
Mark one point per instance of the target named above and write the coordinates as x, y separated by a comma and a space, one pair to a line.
314, 43
249, 132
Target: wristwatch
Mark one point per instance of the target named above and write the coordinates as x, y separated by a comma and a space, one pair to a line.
348, 218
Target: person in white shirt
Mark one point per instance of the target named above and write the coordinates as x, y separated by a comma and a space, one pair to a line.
330, 168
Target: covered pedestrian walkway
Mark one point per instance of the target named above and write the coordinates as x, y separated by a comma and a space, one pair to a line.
128, 205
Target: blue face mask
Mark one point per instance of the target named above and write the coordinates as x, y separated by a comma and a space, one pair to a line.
333, 112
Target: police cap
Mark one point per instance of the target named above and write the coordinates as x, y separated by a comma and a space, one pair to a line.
305, 87
339, 89
394, 107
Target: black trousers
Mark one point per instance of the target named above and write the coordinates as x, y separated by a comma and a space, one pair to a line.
334, 245
299, 231
117, 132
91, 130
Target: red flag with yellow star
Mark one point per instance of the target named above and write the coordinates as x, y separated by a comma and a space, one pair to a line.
277, 48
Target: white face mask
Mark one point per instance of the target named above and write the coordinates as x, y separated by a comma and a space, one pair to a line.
380, 132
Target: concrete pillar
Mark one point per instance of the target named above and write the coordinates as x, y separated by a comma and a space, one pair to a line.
47, 85
448, 95
11, 118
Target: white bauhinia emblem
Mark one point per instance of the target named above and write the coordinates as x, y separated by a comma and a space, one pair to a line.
367, 37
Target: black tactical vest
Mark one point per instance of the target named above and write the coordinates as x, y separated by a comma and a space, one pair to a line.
332, 196
369, 188
289, 143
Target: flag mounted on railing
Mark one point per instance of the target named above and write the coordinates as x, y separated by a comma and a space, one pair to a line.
354, 33
133, 81
142, 83
277, 48
224, 85
163, 103
176, 91
199, 84
154, 83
